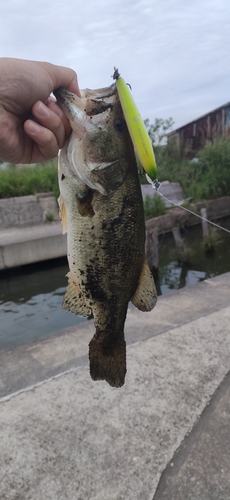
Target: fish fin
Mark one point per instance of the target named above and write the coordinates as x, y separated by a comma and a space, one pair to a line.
107, 362
145, 296
62, 214
74, 300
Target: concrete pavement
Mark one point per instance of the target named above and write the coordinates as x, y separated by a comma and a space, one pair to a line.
164, 435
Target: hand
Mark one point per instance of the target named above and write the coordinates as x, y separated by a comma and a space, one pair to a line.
32, 126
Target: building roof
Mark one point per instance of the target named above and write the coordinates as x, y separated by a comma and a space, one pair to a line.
197, 119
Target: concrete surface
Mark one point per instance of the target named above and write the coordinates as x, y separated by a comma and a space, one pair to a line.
31, 209
201, 467
25, 245
65, 437
171, 190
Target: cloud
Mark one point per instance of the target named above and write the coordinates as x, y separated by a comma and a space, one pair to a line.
173, 53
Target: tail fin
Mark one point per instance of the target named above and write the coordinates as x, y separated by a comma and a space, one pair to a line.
107, 362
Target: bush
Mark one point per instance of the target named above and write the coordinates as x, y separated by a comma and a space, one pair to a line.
211, 173
207, 177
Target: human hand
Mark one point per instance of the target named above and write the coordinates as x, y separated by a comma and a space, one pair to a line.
32, 126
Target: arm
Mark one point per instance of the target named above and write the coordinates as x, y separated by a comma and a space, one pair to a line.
32, 126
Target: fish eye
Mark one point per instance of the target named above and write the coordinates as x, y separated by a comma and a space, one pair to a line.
119, 125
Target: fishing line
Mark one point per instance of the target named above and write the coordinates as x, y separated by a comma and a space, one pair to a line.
156, 186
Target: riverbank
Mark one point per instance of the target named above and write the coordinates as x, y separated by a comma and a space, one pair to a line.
165, 434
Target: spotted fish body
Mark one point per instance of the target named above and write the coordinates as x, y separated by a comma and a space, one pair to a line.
102, 212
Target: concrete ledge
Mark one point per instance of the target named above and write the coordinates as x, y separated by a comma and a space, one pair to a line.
216, 209
18, 211
20, 246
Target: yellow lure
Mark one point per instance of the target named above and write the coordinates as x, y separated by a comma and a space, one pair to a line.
138, 133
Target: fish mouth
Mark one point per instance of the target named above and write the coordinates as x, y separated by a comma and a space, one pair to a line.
89, 111
91, 102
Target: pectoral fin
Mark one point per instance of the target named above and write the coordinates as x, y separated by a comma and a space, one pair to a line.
74, 301
145, 296
62, 214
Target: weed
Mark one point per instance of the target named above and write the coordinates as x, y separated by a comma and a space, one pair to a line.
154, 206
49, 217
211, 242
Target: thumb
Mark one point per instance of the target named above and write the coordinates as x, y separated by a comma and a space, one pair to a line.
62, 77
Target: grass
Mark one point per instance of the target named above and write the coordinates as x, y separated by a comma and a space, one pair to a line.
154, 206
26, 180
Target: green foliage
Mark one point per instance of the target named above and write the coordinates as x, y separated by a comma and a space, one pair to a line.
158, 130
211, 242
26, 180
49, 217
211, 173
205, 177
154, 206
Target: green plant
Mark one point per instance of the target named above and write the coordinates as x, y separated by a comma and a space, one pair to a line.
158, 130
207, 177
211, 173
26, 180
212, 241
154, 206
49, 217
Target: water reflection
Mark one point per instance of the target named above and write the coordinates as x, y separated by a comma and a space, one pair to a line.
174, 275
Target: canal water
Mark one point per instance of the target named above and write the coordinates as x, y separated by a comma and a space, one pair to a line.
31, 297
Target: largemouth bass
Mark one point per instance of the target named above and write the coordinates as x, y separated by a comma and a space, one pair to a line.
101, 210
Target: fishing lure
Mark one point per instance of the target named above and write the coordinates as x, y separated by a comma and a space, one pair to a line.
138, 133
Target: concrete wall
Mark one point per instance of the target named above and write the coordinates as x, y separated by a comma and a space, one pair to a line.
24, 236
216, 209
27, 210
26, 245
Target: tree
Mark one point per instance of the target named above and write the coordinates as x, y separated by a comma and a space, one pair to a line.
158, 130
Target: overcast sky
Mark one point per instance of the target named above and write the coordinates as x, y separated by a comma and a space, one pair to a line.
174, 53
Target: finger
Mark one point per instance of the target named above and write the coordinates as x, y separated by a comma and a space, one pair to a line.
51, 103
62, 77
45, 141
50, 120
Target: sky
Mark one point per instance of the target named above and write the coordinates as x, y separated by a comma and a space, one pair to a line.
174, 53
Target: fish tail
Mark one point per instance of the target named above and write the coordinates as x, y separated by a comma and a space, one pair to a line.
108, 360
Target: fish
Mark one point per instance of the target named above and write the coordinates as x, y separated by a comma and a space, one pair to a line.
101, 210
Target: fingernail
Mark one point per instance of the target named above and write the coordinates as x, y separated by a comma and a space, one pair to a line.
34, 127
43, 110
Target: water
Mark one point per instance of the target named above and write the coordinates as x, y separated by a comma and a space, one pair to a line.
174, 275
31, 297
30, 302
